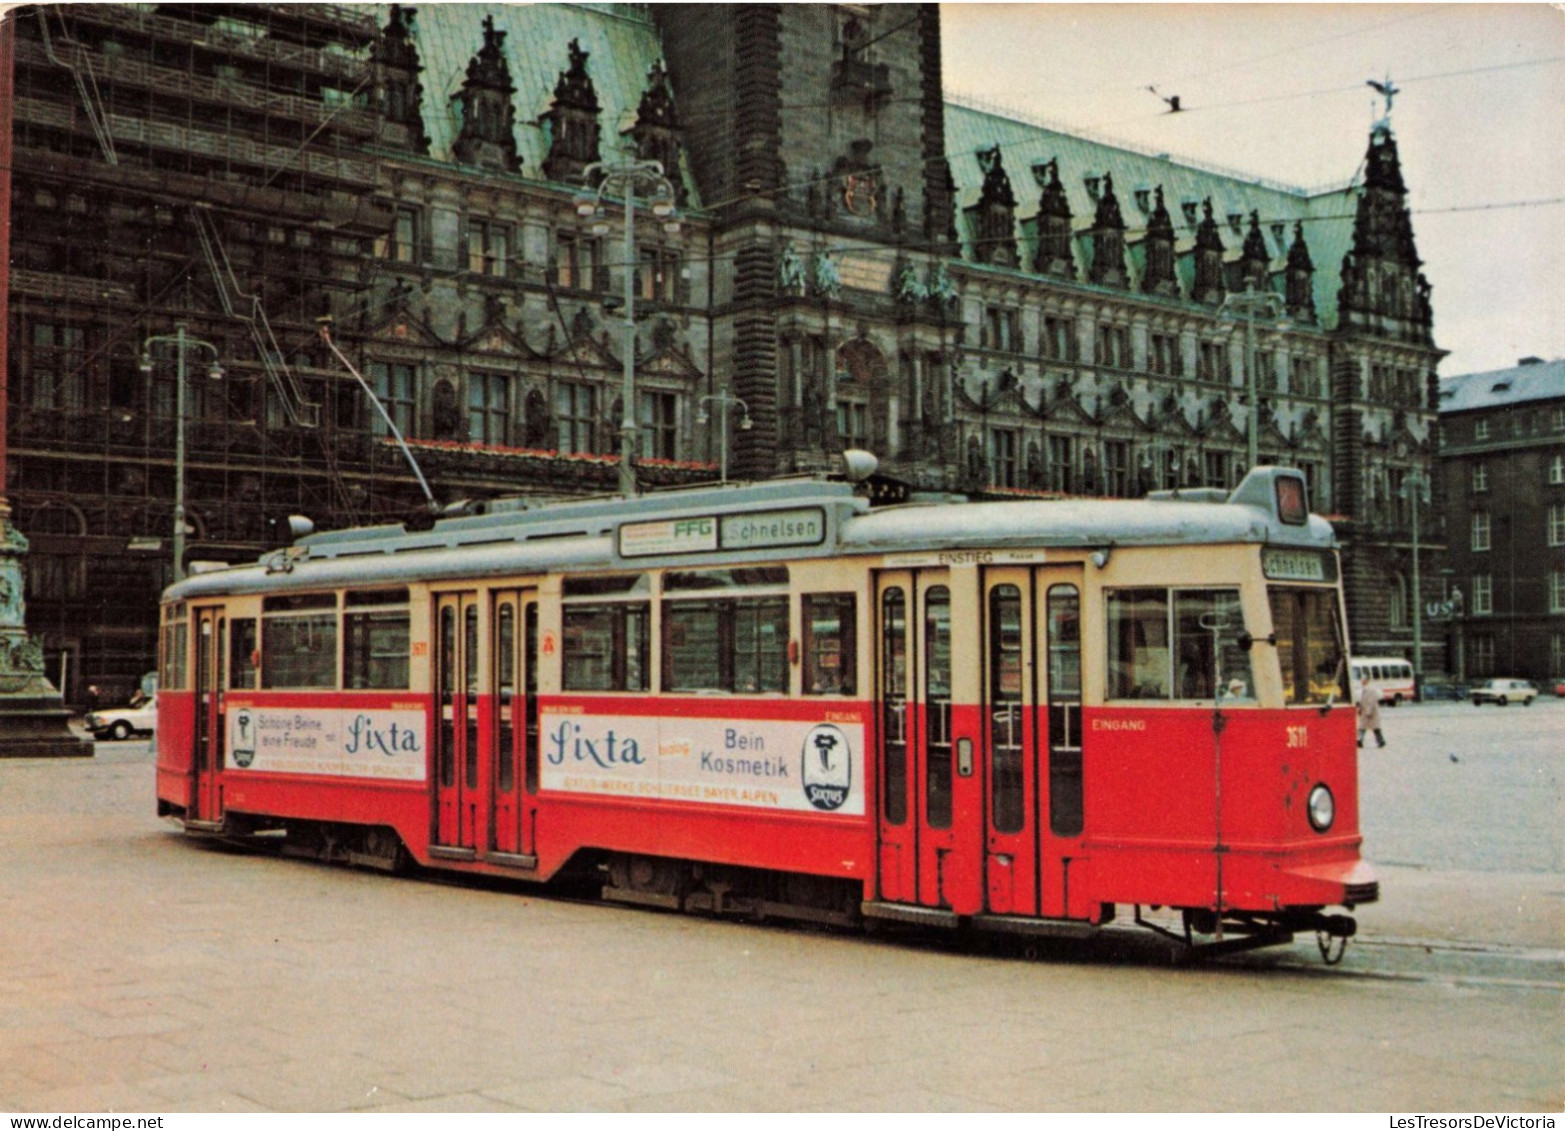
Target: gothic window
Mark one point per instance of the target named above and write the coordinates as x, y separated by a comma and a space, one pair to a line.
853, 422
1212, 362
1113, 346
1004, 464
394, 387
1003, 329
576, 412
1304, 380
1480, 429
1059, 338
1266, 371
577, 262
488, 247
658, 420
400, 245
1557, 469
1557, 524
1166, 357
1062, 452
1557, 591
1116, 468
1218, 469
1480, 478
489, 408
657, 276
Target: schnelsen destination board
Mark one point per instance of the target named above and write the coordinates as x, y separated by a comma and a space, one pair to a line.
341, 742
767, 764
696, 534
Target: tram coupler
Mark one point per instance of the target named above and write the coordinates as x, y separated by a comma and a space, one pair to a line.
1312, 919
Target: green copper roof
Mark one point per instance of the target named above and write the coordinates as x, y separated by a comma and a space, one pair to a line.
1327, 217
621, 43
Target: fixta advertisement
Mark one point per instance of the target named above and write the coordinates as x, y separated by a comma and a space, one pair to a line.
342, 742
768, 764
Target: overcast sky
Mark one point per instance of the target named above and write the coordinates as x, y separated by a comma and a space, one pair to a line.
1279, 92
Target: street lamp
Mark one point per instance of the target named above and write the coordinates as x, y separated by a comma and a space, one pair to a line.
725, 401
1415, 489
630, 175
1247, 306
183, 343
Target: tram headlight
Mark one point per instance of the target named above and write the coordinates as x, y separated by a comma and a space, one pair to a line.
1322, 808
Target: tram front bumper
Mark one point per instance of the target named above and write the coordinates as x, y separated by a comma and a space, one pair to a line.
1348, 882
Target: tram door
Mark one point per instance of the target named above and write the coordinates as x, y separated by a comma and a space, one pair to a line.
458, 794
511, 721
1032, 736
207, 734
927, 855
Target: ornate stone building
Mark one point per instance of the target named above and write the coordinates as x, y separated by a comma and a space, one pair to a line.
989, 305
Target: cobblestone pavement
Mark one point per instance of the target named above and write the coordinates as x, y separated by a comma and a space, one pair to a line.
142, 971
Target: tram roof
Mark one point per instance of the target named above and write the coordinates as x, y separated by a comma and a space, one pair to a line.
778, 520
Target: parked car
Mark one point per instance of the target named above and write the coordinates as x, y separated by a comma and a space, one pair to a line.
139, 717
1504, 692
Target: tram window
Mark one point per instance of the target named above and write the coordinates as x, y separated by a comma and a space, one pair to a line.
1207, 624
730, 645
937, 706
1138, 643
1308, 627
830, 651
1186, 647
1008, 799
299, 641
174, 668
375, 649
606, 647
242, 646
894, 705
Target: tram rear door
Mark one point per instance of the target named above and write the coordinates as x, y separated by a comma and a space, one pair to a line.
929, 841
1031, 741
458, 793
207, 732
511, 722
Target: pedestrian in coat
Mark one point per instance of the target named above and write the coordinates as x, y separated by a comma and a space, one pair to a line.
1369, 713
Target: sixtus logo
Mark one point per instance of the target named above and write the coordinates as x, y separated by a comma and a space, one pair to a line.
244, 738
826, 766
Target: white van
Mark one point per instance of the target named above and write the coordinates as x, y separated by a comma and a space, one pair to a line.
1392, 674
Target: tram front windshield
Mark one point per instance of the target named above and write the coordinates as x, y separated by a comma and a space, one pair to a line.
1308, 625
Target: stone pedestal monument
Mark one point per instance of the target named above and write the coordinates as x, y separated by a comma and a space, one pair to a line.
34, 721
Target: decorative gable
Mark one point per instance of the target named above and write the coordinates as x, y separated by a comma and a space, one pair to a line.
656, 132
1108, 239
572, 121
488, 134
398, 91
1053, 255
1158, 277
994, 216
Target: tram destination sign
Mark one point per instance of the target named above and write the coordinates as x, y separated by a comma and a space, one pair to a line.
1297, 565
697, 534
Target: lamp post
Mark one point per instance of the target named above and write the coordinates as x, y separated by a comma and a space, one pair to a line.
1415, 489
183, 344
629, 175
1247, 306
725, 401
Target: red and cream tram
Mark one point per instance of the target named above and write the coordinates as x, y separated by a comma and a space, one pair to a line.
774, 700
